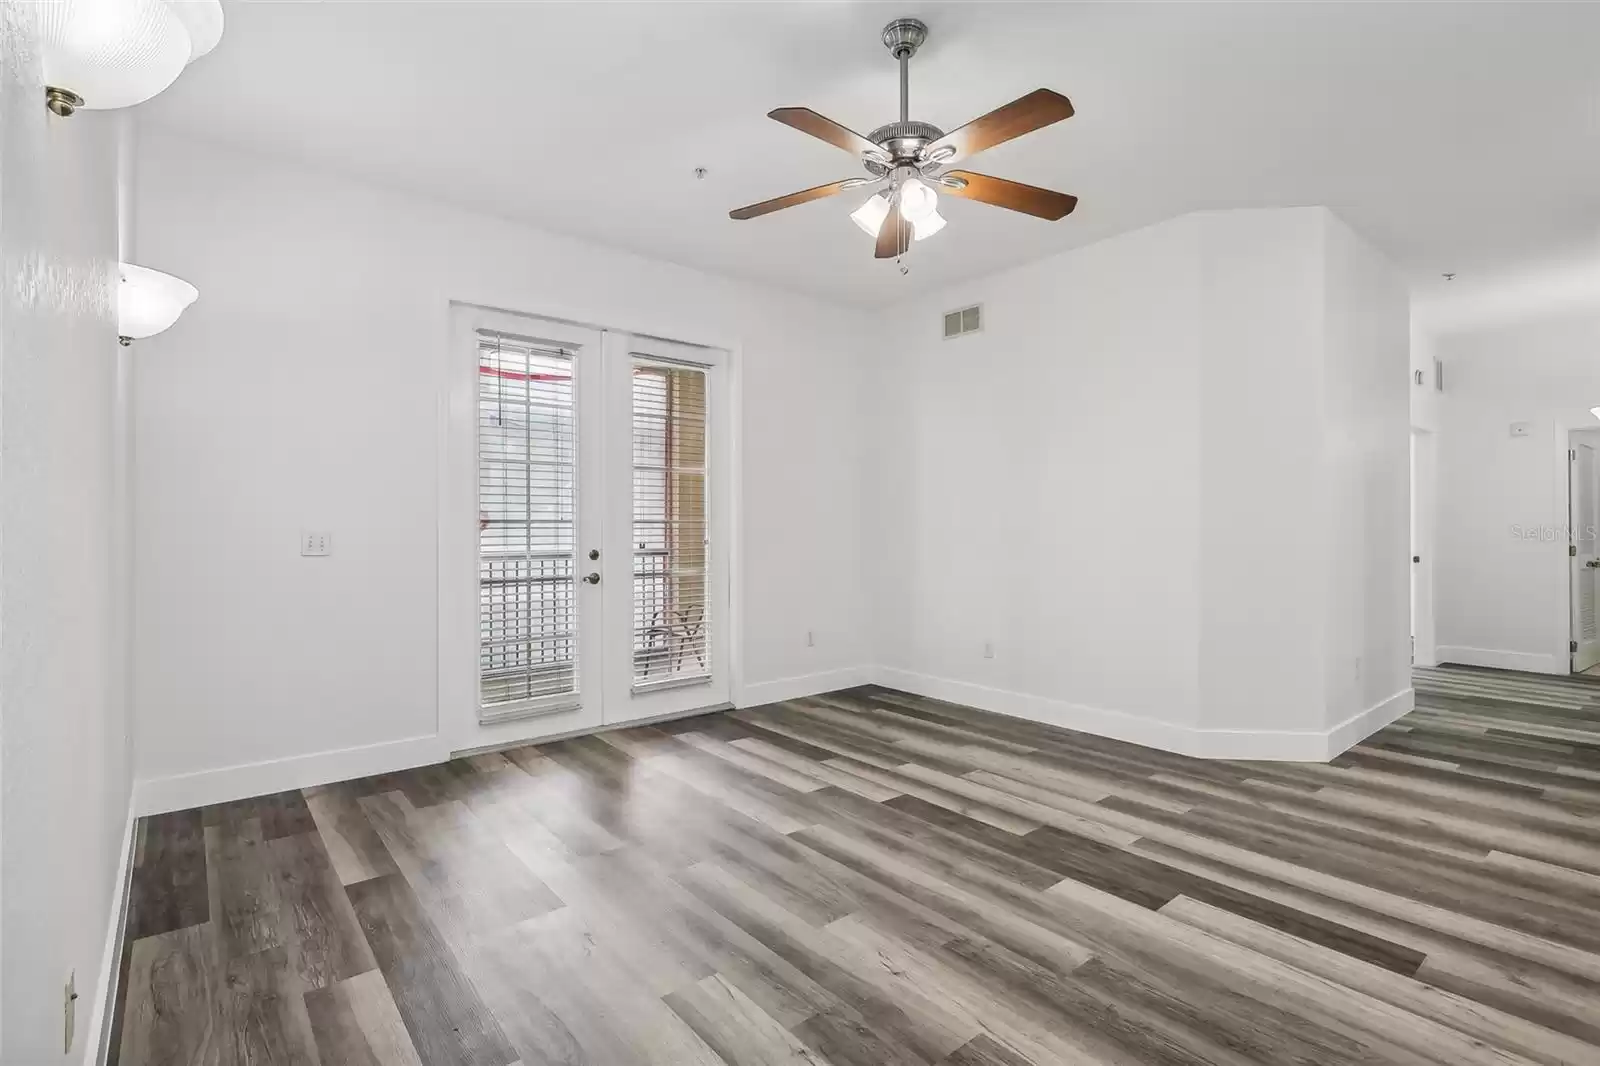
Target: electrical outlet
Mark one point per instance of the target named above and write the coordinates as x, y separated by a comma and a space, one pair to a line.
70, 1011
316, 543
811, 639
988, 649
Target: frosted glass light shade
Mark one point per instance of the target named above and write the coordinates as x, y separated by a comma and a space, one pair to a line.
117, 53
149, 301
917, 201
870, 215
1595, 411
927, 227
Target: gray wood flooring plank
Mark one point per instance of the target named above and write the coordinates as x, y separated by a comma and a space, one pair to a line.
321, 935
465, 878
736, 1028
985, 1050
243, 893
442, 1011
352, 844
170, 1013
264, 1020
169, 889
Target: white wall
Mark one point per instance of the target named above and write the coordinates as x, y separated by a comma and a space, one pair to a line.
64, 762
302, 390
1501, 595
1167, 482
1040, 485
1366, 461
1261, 448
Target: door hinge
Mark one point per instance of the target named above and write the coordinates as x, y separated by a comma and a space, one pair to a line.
1572, 549
1572, 646
1572, 453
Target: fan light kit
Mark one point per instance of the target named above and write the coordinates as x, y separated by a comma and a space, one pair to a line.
102, 54
910, 157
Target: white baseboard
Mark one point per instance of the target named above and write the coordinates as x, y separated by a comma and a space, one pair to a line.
1499, 659
1117, 725
182, 791
792, 688
97, 1032
1265, 744
1363, 724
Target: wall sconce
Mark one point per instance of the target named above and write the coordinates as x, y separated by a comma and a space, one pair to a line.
149, 301
102, 54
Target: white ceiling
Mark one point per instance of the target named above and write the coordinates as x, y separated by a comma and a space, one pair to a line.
1458, 136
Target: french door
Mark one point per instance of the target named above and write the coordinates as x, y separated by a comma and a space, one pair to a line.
601, 561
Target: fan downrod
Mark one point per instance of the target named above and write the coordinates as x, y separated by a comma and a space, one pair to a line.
902, 140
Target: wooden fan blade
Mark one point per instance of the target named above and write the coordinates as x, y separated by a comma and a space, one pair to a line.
808, 121
766, 207
1012, 195
1024, 115
894, 236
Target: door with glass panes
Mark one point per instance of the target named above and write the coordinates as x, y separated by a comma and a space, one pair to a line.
666, 580
601, 563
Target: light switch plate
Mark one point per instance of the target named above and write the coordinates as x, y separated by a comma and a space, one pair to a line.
316, 543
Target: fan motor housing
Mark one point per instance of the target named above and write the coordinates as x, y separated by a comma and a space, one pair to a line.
902, 140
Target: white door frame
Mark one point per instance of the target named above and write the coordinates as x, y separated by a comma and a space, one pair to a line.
1424, 486
459, 728
1572, 439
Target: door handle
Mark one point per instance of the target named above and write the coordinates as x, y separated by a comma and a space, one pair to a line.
1593, 564
593, 579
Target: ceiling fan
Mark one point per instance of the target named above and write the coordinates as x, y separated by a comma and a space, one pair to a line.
909, 156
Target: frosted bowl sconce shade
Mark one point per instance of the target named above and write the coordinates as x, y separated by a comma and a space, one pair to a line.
103, 54
149, 301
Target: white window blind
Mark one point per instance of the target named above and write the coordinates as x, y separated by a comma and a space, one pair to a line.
527, 614
671, 623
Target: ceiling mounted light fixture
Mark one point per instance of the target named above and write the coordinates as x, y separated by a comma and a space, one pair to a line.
911, 157
102, 54
149, 301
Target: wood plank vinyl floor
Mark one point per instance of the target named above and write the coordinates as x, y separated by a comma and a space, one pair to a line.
875, 879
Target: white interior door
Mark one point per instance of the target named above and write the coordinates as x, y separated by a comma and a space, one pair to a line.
1583, 513
540, 511
666, 558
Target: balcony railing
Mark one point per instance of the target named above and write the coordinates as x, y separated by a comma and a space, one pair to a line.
528, 622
